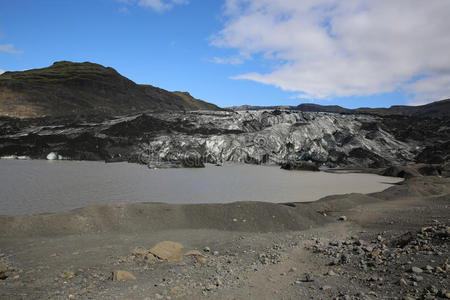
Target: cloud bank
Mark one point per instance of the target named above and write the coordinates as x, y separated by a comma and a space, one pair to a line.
338, 48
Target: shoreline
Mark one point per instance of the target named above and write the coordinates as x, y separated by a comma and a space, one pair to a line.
308, 251
290, 215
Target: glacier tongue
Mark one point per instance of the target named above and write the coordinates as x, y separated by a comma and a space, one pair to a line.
194, 138
276, 136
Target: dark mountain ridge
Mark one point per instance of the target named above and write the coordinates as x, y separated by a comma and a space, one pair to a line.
68, 88
438, 109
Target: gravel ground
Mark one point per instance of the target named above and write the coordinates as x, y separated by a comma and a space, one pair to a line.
389, 245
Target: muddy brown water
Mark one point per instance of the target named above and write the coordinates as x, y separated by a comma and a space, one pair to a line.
34, 186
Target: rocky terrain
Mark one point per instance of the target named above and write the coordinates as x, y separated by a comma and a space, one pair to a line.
190, 139
388, 245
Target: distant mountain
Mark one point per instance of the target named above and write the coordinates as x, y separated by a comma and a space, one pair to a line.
438, 109
68, 88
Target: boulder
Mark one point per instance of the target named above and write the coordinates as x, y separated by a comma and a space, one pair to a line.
122, 275
201, 260
52, 156
167, 250
3, 269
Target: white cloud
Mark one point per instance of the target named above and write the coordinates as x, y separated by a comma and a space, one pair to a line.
2, 71
161, 5
429, 89
234, 60
9, 48
326, 48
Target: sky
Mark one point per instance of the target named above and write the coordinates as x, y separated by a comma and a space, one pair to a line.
353, 53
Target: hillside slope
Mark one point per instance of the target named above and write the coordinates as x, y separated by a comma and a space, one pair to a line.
68, 88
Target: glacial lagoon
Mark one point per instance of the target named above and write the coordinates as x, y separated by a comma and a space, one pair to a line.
38, 186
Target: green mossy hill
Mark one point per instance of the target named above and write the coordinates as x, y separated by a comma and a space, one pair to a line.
68, 88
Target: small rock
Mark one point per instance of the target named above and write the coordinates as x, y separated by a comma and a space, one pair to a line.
122, 275
175, 289
432, 289
368, 249
293, 269
342, 218
403, 282
67, 275
331, 273
376, 253
326, 287
207, 249
345, 258
201, 260
416, 270
309, 277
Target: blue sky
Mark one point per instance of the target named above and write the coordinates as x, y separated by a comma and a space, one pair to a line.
234, 52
